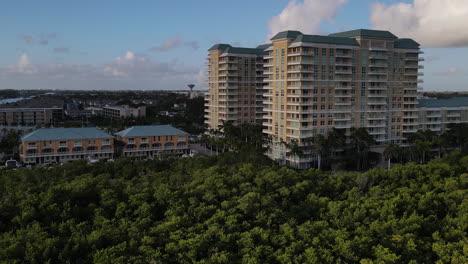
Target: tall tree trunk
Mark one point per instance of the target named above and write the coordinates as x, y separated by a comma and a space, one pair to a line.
319, 161
389, 163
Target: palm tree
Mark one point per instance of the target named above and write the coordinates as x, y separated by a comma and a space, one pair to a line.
421, 147
319, 145
392, 151
362, 141
336, 139
226, 127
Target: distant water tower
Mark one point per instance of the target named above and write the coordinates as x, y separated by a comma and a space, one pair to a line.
190, 86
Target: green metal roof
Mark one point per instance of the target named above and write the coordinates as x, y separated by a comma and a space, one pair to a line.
264, 46
44, 134
150, 131
219, 47
451, 102
326, 39
405, 43
287, 34
365, 33
226, 48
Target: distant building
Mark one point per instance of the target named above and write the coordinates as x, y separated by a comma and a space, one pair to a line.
435, 114
30, 116
47, 145
118, 111
149, 141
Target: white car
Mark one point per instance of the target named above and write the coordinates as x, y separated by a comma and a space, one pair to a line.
11, 164
92, 160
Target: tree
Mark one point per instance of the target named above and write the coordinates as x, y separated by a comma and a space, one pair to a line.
421, 147
320, 146
392, 151
336, 139
294, 149
361, 142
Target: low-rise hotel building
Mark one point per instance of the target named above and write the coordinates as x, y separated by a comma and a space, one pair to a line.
49, 145
30, 116
119, 111
435, 114
150, 141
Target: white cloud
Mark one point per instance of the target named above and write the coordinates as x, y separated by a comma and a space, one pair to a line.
61, 49
304, 16
140, 65
432, 23
176, 42
28, 39
22, 66
449, 71
131, 66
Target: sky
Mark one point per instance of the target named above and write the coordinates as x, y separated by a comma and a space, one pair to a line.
162, 45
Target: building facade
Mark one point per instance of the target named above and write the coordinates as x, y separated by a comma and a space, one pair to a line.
235, 85
50, 145
150, 141
436, 114
30, 116
359, 78
118, 111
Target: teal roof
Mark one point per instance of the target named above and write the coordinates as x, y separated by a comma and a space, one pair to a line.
150, 131
44, 134
365, 33
406, 44
263, 46
326, 39
226, 48
219, 47
451, 102
287, 34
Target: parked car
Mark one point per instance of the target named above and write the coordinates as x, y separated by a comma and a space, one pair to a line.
13, 164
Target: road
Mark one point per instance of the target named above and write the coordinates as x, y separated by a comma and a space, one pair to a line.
202, 150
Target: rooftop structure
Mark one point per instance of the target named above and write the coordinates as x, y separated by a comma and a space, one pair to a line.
150, 141
65, 134
156, 130
47, 145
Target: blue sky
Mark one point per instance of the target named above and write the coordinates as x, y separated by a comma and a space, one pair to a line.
162, 44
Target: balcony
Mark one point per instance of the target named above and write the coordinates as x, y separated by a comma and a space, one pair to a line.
342, 126
343, 96
378, 65
343, 103
343, 55
343, 88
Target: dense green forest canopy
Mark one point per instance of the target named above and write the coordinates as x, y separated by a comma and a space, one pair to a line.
234, 208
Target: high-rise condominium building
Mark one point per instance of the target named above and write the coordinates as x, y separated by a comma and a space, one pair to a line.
235, 91
358, 78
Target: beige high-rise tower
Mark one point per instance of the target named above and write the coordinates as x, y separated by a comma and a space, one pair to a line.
358, 78
235, 91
